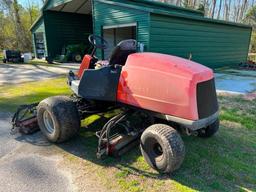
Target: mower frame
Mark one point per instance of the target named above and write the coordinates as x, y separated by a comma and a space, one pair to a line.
178, 103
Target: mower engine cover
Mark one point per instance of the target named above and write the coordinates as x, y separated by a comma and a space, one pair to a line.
168, 85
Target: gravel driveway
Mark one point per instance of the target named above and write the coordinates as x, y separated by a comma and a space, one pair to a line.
28, 167
30, 163
15, 73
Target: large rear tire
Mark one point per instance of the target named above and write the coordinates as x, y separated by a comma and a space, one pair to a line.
162, 148
58, 118
210, 130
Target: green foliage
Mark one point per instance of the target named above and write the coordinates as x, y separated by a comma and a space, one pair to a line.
250, 18
201, 7
15, 22
253, 42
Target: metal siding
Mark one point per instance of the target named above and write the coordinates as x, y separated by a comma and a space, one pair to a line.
106, 14
34, 45
38, 27
65, 28
160, 6
212, 44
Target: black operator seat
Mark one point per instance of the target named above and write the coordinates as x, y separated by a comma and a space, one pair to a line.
102, 83
122, 51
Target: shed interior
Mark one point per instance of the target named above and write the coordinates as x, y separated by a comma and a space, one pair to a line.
72, 23
67, 24
115, 34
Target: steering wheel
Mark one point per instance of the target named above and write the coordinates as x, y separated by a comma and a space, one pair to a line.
98, 42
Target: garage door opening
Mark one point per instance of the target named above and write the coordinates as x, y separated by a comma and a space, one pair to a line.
68, 26
115, 34
39, 45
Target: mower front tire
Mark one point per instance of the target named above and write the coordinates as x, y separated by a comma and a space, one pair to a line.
162, 148
58, 118
210, 130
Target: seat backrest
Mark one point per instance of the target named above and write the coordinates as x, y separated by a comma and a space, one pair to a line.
100, 84
84, 65
122, 51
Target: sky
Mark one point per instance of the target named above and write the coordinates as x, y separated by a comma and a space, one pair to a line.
26, 2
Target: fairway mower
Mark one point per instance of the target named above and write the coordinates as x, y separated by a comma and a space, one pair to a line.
154, 96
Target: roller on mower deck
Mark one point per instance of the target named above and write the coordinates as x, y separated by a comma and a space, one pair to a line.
153, 94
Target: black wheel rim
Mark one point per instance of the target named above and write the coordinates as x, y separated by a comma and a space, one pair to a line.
154, 149
157, 148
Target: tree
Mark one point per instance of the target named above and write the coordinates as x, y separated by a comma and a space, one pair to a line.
213, 8
220, 7
250, 17
15, 24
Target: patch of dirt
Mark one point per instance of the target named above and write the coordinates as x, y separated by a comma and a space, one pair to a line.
232, 124
250, 96
82, 174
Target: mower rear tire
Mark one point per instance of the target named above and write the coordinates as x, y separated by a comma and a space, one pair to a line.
58, 118
210, 130
162, 148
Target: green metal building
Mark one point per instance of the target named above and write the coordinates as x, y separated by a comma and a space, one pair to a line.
160, 27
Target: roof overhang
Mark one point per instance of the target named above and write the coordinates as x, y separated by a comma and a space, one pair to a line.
36, 22
74, 6
69, 6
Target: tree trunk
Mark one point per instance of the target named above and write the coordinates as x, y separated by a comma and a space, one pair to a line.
238, 7
213, 8
229, 8
219, 11
243, 10
226, 10
22, 41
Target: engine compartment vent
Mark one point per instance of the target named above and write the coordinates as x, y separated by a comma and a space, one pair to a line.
207, 103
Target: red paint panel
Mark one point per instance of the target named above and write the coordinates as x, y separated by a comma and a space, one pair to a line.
84, 65
162, 83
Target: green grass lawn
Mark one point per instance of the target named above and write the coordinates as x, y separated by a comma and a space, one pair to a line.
13, 96
1, 57
42, 62
225, 162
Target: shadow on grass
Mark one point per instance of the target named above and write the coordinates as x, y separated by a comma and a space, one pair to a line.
225, 162
221, 163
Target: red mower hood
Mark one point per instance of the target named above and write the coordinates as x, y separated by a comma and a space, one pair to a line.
162, 83
170, 64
